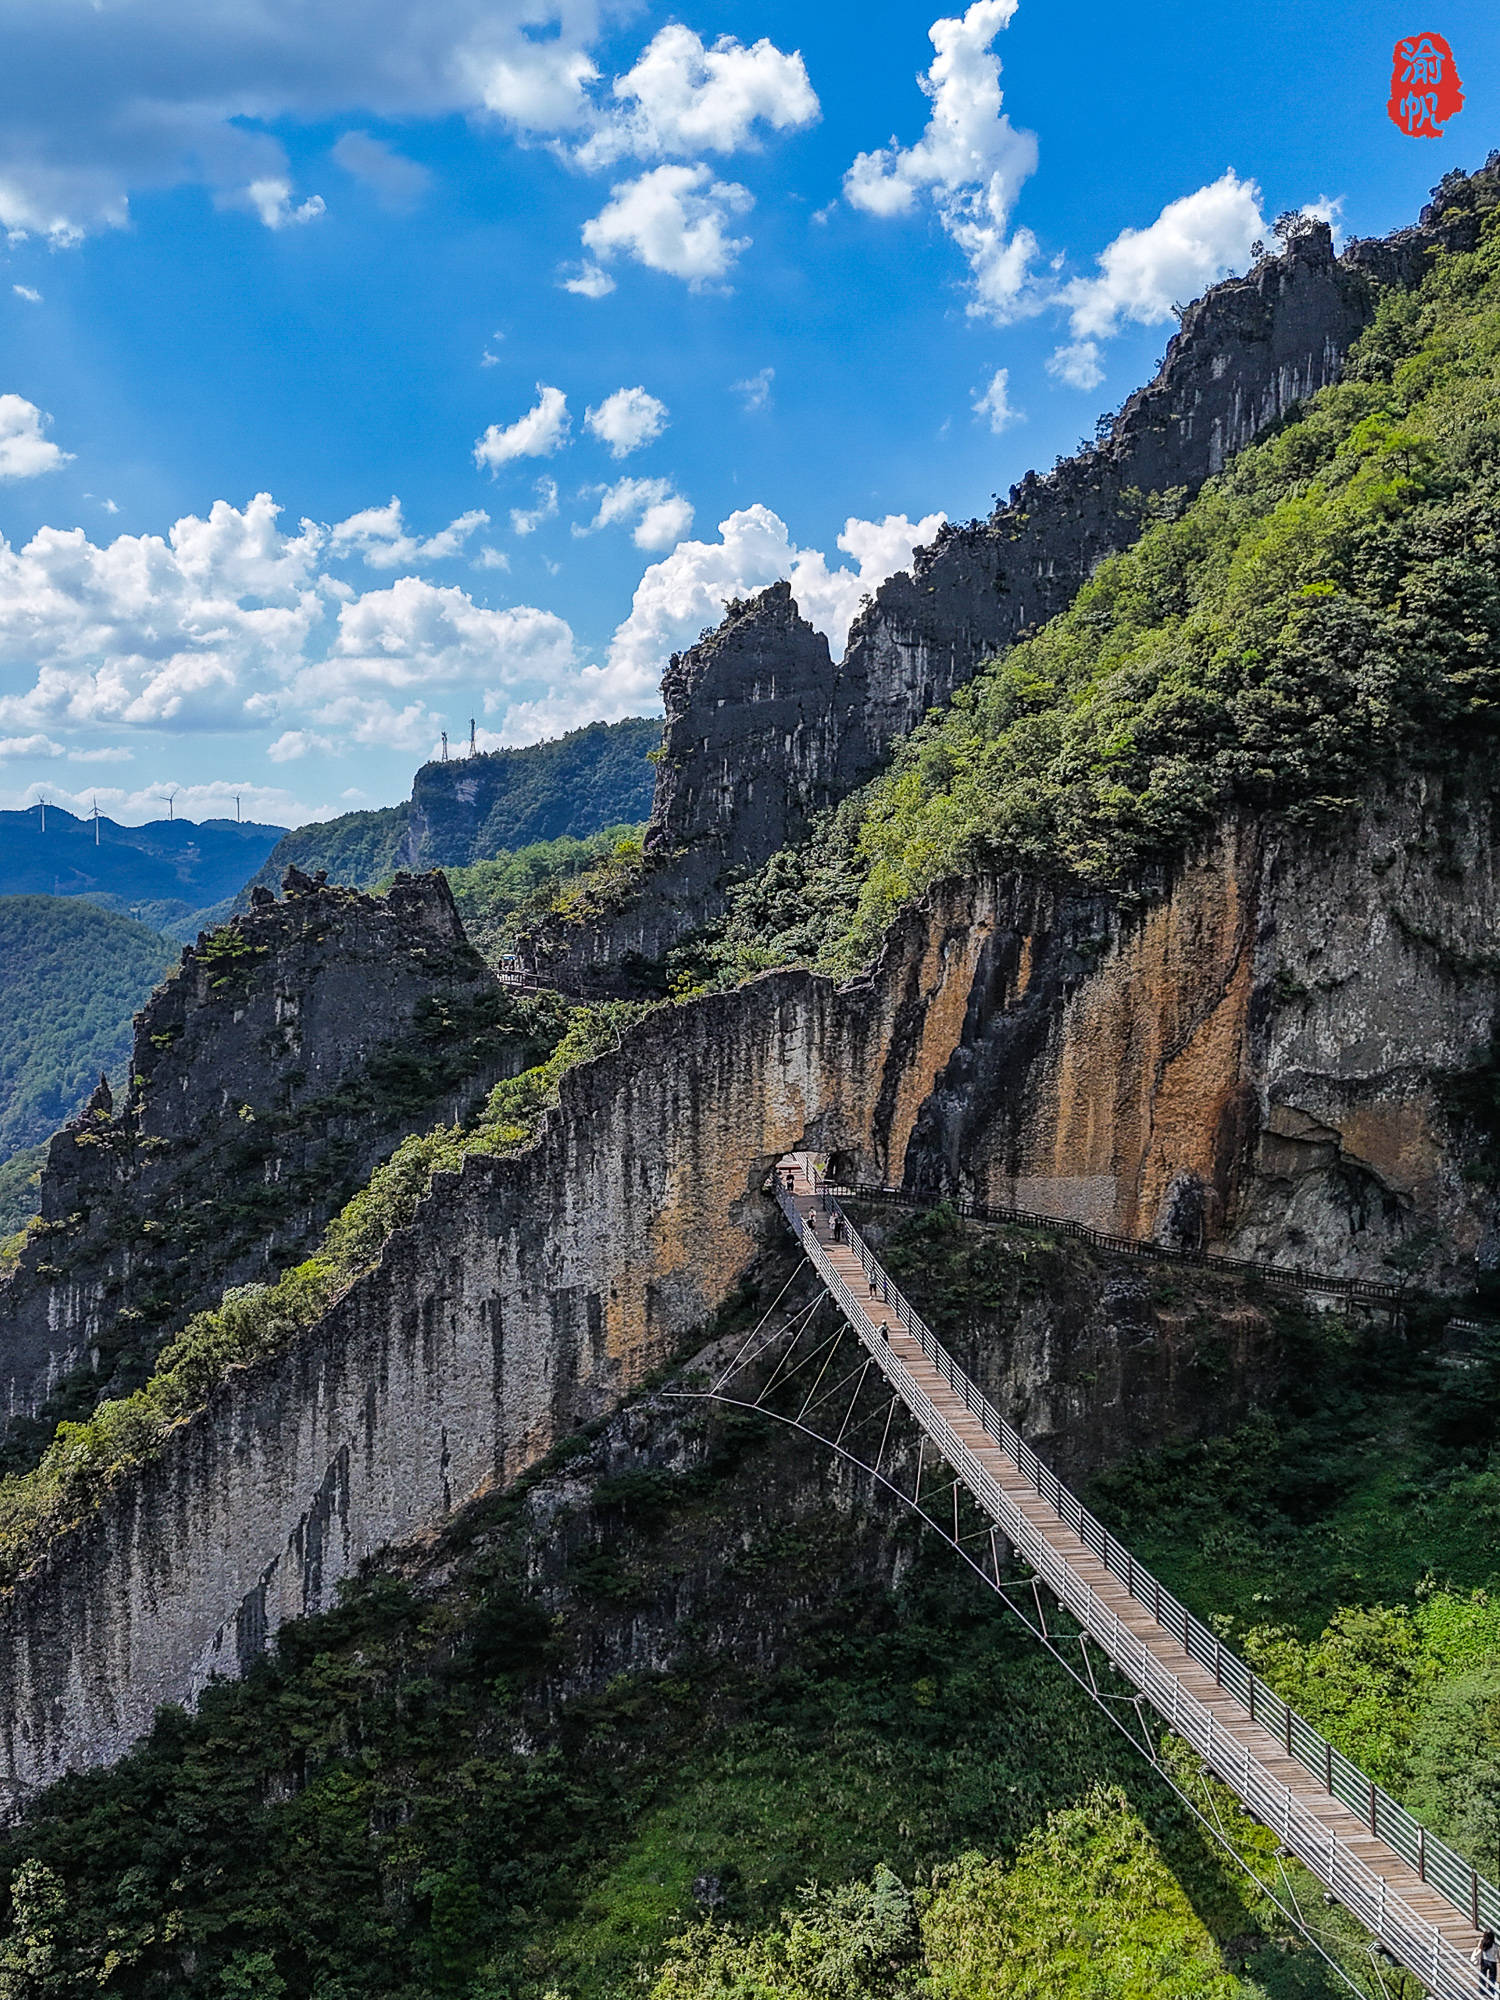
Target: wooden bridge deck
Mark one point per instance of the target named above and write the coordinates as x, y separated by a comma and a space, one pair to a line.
1443, 1967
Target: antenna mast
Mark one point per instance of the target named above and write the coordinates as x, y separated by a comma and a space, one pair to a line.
41, 801
472, 745
445, 746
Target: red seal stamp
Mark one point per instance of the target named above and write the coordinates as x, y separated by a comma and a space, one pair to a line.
1425, 87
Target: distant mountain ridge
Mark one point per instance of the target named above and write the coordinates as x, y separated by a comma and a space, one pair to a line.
162, 872
477, 808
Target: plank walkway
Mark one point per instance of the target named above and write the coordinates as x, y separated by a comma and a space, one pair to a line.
1421, 1927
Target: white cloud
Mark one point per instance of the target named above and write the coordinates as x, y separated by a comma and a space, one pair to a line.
589, 282
29, 293
543, 430
491, 558
397, 183
993, 404
970, 160
229, 622
1076, 364
271, 198
684, 98
627, 420
1194, 241
24, 451
418, 634
672, 219
661, 516
107, 753
379, 534
755, 389
216, 800
526, 520
829, 598
13, 747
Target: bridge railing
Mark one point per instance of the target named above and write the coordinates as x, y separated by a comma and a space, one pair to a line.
1414, 1939
1359, 1291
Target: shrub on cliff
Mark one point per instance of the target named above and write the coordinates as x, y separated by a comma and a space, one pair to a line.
1324, 611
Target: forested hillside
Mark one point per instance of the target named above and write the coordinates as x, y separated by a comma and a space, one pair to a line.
473, 809
71, 977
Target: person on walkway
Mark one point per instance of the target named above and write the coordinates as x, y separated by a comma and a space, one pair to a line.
1486, 1955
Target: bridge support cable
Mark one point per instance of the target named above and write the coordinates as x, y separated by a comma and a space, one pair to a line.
1418, 1900
782, 1395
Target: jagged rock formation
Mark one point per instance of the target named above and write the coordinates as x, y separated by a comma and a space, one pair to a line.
1173, 1043
284, 1058
764, 729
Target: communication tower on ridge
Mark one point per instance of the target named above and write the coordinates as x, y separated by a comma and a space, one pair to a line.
472, 744
445, 746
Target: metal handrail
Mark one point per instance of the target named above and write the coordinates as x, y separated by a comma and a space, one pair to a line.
1365, 1291
1414, 1939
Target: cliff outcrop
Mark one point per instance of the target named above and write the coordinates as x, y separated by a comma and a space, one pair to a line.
764, 729
285, 1057
1176, 1046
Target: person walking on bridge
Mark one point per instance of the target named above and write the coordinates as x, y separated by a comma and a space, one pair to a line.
1486, 1955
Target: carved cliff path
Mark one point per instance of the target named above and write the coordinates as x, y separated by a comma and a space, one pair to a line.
1419, 1900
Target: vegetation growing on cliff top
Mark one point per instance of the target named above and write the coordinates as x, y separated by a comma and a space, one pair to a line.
256, 1320
495, 898
1325, 609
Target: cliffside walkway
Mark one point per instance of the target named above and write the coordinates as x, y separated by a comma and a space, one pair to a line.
1421, 1902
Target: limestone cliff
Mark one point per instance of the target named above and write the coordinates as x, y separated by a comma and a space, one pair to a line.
1145, 1062
764, 728
288, 1053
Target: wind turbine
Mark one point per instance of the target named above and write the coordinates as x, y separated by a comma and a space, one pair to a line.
169, 796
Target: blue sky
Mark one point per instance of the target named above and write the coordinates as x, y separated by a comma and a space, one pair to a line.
575, 286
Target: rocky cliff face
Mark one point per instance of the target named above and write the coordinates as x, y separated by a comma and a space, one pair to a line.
286, 1056
1145, 1065
764, 728
1261, 1059
767, 729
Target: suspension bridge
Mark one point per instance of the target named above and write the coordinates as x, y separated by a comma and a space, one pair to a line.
1129, 1643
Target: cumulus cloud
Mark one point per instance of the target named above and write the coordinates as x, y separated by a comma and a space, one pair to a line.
684, 98
673, 219
271, 198
993, 404
12, 747
231, 622
526, 520
396, 182
24, 449
98, 103
660, 514
1194, 241
542, 431
379, 534
627, 420
970, 161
